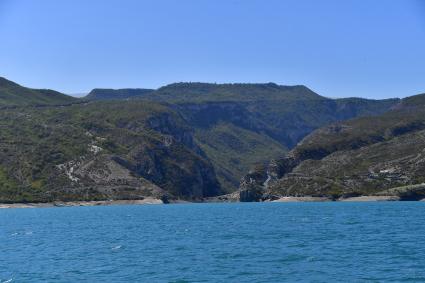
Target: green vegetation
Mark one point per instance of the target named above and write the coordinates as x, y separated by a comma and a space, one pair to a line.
264, 120
360, 156
38, 144
185, 140
233, 151
12, 94
205, 92
117, 94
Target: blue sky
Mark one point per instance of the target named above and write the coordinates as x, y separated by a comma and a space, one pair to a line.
372, 49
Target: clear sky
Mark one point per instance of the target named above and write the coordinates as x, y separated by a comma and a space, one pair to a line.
367, 48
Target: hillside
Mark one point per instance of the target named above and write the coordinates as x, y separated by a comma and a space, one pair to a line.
241, 125
363, 156
100, 151
183, 141
12, 94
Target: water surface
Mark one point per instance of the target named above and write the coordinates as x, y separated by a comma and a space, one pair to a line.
251, 242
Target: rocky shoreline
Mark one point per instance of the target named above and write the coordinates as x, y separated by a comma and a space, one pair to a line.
216, 200
81, 203
326, 199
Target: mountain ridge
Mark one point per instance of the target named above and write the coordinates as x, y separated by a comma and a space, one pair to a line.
116, 94
183, 141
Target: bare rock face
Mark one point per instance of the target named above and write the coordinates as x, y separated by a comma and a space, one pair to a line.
409, 192
252, 194
251, 188
255, 186
173, 131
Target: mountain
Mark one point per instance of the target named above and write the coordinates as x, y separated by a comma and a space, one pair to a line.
12, 94
182, 141
117, 94
239, 126
380, 155
207, 92
100, 150
242, 125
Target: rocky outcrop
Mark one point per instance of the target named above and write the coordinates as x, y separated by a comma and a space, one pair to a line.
252, 185
407, 193
174, 130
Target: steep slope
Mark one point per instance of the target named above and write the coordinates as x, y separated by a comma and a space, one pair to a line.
100, 151
263, 120
117, 94
233, 150
364, 156
185, 140
242, 125
12, 94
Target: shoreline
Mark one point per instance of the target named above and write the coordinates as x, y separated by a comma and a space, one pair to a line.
349, 199
145, 201
154, 201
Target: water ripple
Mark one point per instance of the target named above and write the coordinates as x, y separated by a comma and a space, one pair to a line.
303, 242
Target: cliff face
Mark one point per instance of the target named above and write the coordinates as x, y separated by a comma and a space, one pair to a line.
101, 151
357, 157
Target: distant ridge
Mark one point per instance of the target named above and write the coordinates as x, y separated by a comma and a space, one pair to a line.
234, 92
117, 94
13, 94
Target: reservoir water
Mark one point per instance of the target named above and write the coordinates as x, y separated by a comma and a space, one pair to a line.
242, 242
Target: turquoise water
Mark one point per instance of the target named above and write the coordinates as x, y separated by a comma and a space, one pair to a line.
253, 242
